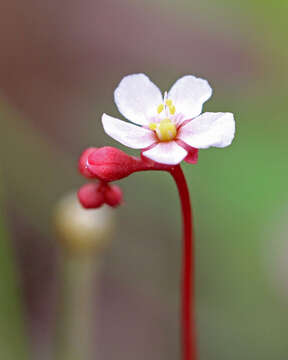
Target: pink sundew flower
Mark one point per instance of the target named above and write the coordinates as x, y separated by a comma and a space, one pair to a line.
169, 128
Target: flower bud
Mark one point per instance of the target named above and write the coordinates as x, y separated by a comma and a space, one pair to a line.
90, 196
83, 163
110, 164
113, 196
80, 231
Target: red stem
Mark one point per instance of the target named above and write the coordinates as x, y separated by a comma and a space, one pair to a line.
188, 269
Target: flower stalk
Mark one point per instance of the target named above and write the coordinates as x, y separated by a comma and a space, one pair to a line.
75, 332
188, 320
101, 166
82, 238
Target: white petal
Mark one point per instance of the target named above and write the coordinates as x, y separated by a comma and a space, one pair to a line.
188, 95
133, 136
169, 153
137, 98
209, 129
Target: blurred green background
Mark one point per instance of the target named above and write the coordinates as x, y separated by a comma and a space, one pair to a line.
60, 62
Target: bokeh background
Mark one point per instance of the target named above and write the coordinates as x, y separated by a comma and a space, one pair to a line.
59, 64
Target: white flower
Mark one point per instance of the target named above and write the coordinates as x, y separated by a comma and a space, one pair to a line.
170, 127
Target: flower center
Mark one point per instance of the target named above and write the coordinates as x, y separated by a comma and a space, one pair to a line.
165, 129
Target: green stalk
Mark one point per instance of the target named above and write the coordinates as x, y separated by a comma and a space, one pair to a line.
75, 337
83, 236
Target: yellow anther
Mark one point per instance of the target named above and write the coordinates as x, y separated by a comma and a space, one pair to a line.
160, 108
166, 130
152, 126
169, 102
172, 109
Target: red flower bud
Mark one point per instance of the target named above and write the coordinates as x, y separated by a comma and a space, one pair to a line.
110, 164
113, 196
83, 163
90, 196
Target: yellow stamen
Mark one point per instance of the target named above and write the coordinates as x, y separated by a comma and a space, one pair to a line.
165, 130
160, 108
152, 126
172, 109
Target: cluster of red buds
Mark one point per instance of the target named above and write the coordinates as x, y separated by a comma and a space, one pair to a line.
107, 164
95, 195
104, 164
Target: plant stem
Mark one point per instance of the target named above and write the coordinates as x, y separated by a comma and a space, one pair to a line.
189, 351
76, 324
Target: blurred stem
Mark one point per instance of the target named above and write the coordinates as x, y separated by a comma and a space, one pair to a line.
14, 342
76, 314
189, 351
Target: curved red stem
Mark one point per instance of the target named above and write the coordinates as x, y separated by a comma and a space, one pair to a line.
110, 164
188, 325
